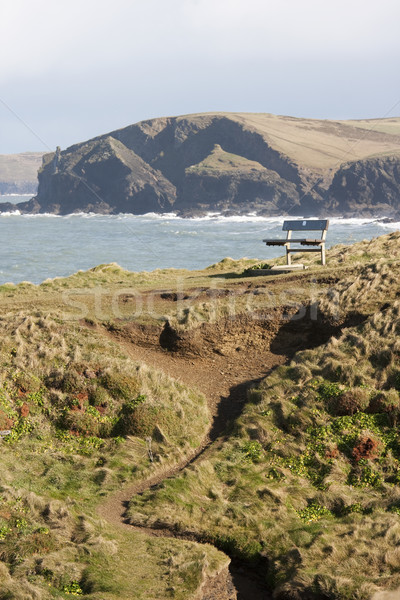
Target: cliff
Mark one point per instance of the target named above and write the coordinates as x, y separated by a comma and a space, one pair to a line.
367, 186
228, 162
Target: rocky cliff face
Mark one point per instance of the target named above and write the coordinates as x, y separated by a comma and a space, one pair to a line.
238, 162
365, 187
102, 176
226, 181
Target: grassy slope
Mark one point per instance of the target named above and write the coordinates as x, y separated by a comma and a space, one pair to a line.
310, 476
222, 161
325, 144
320, 144
70, 397
58, 365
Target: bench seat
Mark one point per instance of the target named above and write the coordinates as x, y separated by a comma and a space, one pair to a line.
311, 242
275, 242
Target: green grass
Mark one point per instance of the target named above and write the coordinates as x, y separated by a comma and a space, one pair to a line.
220, 161
176, 570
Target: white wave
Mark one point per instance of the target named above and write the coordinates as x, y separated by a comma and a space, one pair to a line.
11, 213
250, 218
395, 225
17, 195
82, 215
40, 215
214, 217
152, 215
353, 221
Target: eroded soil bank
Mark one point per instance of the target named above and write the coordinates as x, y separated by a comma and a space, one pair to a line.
223, 360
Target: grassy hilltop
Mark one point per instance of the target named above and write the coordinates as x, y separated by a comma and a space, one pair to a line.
246, 427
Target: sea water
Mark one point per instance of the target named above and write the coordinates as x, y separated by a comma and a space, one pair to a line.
36, 247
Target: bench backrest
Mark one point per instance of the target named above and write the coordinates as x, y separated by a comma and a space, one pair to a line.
306, 225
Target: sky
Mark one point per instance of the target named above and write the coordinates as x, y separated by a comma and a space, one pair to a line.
71, 70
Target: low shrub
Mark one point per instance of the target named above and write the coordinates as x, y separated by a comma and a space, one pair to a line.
350, 402
5, 421
328, 390
367, 447
120, 386
314, 512
386, 402
299, 373
27, 382
69, 382
132, 420
98, 396
80, 422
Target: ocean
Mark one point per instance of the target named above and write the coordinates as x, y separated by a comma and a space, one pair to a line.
36, 247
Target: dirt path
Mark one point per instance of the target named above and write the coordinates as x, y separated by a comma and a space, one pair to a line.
224, 377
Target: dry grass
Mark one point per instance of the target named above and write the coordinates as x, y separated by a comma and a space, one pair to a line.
321, 144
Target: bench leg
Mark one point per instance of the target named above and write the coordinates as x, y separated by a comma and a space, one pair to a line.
323, 258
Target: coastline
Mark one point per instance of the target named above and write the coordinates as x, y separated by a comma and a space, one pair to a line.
32, 208
250, 217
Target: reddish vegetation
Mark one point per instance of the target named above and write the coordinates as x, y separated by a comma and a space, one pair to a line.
77, 404
367, 448
351, 402
5, 422
332, 453
82, 397
24, 410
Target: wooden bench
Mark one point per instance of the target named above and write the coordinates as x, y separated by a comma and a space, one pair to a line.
303, 225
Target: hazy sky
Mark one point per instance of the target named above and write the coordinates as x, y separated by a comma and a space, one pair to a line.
74, 69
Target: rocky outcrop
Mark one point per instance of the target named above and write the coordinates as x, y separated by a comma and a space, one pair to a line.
227, 162
147, 167
102, 176
366, 187
225, 181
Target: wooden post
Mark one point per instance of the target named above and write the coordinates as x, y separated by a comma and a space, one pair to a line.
323, 260
288, 256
